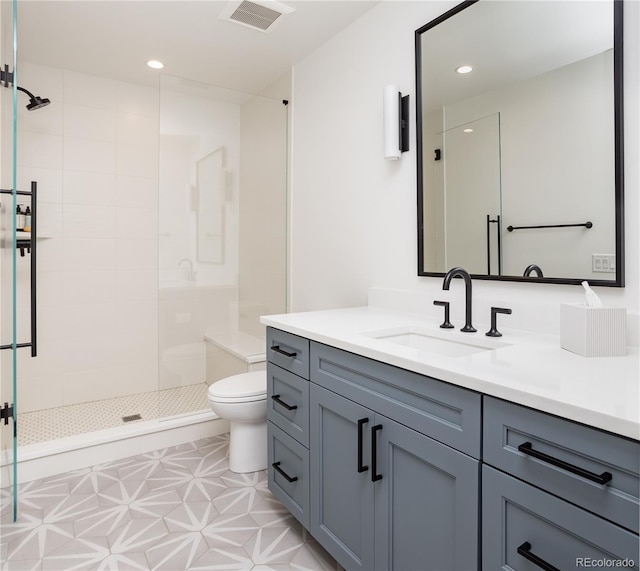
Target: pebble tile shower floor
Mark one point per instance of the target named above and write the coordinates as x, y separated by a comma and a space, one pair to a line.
177, 509
53, 423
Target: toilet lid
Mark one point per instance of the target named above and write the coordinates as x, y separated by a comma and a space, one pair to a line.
240, 386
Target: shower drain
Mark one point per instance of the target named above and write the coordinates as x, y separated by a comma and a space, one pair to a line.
131, 418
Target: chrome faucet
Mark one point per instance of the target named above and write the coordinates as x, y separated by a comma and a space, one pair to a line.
532, 268
462, 273
191, 275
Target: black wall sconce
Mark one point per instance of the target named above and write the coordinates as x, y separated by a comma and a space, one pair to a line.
396, 123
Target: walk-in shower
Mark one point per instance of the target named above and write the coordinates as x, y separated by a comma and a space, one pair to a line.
161, 240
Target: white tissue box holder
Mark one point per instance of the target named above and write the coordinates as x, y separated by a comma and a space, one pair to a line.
593, 331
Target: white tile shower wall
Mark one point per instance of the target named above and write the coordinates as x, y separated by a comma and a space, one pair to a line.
353, 213
94, 153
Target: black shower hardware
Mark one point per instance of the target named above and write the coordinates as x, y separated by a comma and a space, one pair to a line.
587, 224
35, 101
493, 332
532, 268
446, 324
496, 221
29, 244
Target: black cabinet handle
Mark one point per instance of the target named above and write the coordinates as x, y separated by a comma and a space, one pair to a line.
604, 478
361, 423
277, 349
525, 551
286, 476
374, 453
284, 404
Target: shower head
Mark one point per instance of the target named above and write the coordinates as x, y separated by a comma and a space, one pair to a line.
35, 102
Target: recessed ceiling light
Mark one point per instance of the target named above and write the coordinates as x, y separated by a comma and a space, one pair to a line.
155, 64
467, 130
464, 69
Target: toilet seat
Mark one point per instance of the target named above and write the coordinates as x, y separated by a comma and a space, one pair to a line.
246, 387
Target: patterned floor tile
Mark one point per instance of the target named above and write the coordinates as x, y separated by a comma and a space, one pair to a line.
273, 545
190, 516
177, 551
80, 554
39, 542
177, 509
230, 530
137, 535
88, 480
223, 558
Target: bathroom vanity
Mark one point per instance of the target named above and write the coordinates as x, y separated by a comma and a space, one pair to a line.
402, 446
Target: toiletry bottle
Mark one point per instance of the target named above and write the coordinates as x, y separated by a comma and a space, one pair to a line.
27, 220
19, 218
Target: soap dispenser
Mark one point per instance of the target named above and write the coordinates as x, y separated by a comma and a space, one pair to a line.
19, 218
27, 220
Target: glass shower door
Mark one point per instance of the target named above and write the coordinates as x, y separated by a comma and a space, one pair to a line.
8, 262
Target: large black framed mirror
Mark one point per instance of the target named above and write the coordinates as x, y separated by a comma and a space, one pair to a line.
520, 160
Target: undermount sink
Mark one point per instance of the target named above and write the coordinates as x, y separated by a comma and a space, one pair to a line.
453, 344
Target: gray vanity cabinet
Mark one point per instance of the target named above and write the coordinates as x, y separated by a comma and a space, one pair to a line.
288, 421
384, 496
391, 470
426, 504
527, 529
341, 507
556, 494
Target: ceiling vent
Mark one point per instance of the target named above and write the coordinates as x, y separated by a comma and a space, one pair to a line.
260, 15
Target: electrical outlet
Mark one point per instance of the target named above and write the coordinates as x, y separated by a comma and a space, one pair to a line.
603, 263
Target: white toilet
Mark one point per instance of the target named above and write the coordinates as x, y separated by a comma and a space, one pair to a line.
242, 400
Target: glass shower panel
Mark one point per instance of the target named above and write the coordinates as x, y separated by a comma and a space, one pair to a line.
473, 195
8, 435
222, 231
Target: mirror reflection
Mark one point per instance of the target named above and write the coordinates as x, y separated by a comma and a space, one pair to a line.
517, 133
210, 184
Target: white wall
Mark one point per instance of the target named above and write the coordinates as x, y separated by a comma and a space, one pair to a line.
353, 214
263, 212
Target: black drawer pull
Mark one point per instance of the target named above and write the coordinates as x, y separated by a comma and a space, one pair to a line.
284, 404
361, 423
277, 349
286, 476
525, 551
527, 448
374, 453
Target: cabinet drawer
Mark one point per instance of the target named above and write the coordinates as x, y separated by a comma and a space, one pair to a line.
288, 472
288, 351
578, 448
288, 402
518, 517
442, 411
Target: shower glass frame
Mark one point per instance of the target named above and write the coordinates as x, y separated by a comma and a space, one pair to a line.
8, 204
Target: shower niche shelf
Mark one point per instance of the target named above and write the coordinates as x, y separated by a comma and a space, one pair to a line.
21, 235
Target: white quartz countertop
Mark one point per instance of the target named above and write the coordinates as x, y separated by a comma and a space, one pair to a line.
532, 370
